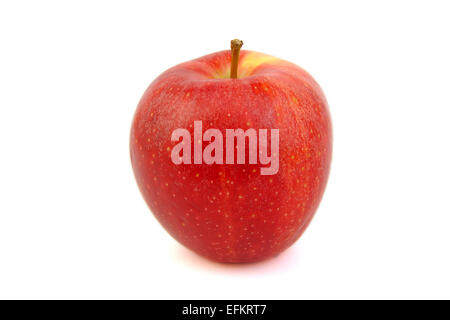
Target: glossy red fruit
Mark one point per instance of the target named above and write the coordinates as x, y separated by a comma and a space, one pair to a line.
230, 212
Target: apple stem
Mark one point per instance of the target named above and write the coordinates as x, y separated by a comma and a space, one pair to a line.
236, 45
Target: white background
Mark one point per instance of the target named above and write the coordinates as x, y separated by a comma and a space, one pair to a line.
73, 223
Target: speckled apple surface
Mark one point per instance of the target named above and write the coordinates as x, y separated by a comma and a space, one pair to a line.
232, 213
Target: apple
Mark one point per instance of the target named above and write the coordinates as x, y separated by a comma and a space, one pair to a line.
210, 199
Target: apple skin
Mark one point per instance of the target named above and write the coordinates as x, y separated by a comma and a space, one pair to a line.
232, 213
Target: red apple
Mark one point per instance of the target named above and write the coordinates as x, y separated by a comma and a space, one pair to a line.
233, 212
